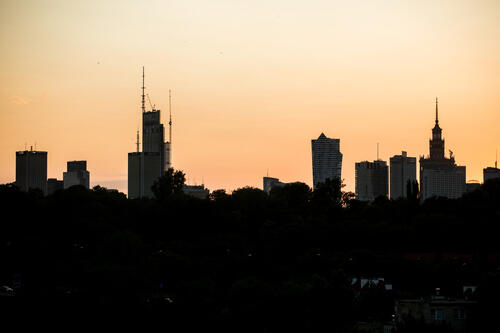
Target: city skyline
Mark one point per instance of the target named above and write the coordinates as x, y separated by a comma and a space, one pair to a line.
239, 113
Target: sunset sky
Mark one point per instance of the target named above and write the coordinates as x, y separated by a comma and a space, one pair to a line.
252, 83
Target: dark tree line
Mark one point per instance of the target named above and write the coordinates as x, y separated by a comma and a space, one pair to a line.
244, 261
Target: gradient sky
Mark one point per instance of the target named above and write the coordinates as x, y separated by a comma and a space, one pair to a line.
252, 81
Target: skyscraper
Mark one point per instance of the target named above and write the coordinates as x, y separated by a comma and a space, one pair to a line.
371, 180
31, 170
76, 174
440, 176
326, 159
146, 166
403, 169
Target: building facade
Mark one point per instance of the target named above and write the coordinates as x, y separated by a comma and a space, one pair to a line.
197, 191
440, 176
403, 169
326, 159
270, 182
31, 170
371, 180
76, 174
490, 173
54, 185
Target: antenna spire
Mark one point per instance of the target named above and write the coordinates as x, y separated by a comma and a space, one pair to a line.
437, 121
170, 115
143, 100
137, 143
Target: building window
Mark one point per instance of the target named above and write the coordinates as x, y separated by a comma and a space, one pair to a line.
437, 314
459, 314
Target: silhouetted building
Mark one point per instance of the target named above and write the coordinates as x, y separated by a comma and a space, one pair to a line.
270, 182
76, 174
31, 170
472, 185
490, 173
197, 191
403, 169
440, 176
371, 180
54, 185
326, 159
144, 168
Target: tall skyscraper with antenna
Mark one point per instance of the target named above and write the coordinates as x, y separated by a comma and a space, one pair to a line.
146, 166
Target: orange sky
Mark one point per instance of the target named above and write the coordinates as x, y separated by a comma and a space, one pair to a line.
253, 82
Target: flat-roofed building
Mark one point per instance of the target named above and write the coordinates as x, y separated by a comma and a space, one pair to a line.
371, 180
31, 170
403, 169
76, 174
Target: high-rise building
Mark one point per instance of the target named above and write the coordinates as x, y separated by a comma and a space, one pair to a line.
326, 159
440, 176
31, 170
76, 174
146, 166
403, 170
371, 180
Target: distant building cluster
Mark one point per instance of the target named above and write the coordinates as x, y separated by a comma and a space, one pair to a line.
439, 175
31, 173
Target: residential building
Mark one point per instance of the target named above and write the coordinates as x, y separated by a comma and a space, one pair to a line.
371, 180
403, 169
31, 170
326, 159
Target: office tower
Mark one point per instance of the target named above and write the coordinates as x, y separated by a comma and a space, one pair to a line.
440, 176
371, 180
326, 159
31, 170
146, 166
270, 182
403, 170
54, 185
76, 174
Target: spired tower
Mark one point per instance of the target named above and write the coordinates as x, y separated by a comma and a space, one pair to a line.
439, 175
436, 144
